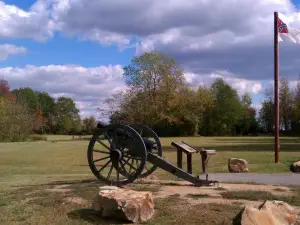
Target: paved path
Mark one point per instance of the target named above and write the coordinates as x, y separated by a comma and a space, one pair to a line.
278, 178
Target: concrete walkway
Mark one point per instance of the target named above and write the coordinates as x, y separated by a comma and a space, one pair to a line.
261, 178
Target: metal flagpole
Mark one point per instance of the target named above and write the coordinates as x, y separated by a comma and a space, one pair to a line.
276, 97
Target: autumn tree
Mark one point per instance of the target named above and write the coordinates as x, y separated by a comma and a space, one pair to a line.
16, 123
153, 79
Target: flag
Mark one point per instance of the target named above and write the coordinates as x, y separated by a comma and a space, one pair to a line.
286, 33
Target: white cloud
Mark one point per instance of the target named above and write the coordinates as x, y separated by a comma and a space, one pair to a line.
257, 107
87, 86
8, 49
241, 85
90, 86
226, 38
204, 36
17, 23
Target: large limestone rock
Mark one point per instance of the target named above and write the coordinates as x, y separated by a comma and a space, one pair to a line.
237, 165
269, 213
295, 167
123, 204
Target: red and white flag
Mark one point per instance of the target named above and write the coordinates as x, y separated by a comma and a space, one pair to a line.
286, 33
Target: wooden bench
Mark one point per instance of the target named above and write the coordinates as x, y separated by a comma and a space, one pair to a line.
189, 150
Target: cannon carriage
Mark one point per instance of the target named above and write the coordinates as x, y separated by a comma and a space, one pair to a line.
134, 151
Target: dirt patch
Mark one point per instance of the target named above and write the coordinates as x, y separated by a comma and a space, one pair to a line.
213, 194
197, 205
76, 200
60, 188
27, 200
215, 191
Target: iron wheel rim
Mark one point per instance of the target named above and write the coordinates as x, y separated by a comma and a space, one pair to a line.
112, 151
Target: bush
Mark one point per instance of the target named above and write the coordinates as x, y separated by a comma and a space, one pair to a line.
37, 137
16, 123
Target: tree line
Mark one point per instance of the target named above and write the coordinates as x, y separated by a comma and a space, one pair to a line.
25, 111
157, 96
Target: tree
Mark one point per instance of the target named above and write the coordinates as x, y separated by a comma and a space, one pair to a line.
66, 114
5, 92
16, 123
28, 98
4, 89
46, 103
248, 115
89, 124
111, 105
295, 122
38, 119
153, 79
285, 99
266, 116
228, 108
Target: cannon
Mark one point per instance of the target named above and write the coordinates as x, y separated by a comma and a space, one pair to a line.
134, 151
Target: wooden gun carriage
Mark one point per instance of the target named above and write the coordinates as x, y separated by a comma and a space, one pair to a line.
135, 151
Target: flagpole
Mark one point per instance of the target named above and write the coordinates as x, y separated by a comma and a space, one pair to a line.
276, 97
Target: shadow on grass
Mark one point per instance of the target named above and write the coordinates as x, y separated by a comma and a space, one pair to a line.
92, 216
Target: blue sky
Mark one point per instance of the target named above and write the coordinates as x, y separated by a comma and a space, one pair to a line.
77, 48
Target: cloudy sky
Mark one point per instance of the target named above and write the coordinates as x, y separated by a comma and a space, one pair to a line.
77, 48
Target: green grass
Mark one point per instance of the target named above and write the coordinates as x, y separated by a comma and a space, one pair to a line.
197, 195
42, 207
41, 161
26, 167
171, 211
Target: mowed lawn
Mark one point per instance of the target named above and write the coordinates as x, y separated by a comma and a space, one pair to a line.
61, 158
31, 171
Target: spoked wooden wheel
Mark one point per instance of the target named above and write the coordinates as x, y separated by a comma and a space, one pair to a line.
117, 154
153, 147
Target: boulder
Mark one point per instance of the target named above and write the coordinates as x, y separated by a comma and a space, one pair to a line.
124, 204
268, 213
236, 165
295, 167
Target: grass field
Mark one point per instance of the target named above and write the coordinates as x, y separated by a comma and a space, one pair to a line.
63, 159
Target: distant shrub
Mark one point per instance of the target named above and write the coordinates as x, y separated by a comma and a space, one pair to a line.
16, 123
37, 137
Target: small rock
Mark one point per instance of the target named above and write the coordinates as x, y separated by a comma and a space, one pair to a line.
268, 213
295, 167
237, 165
